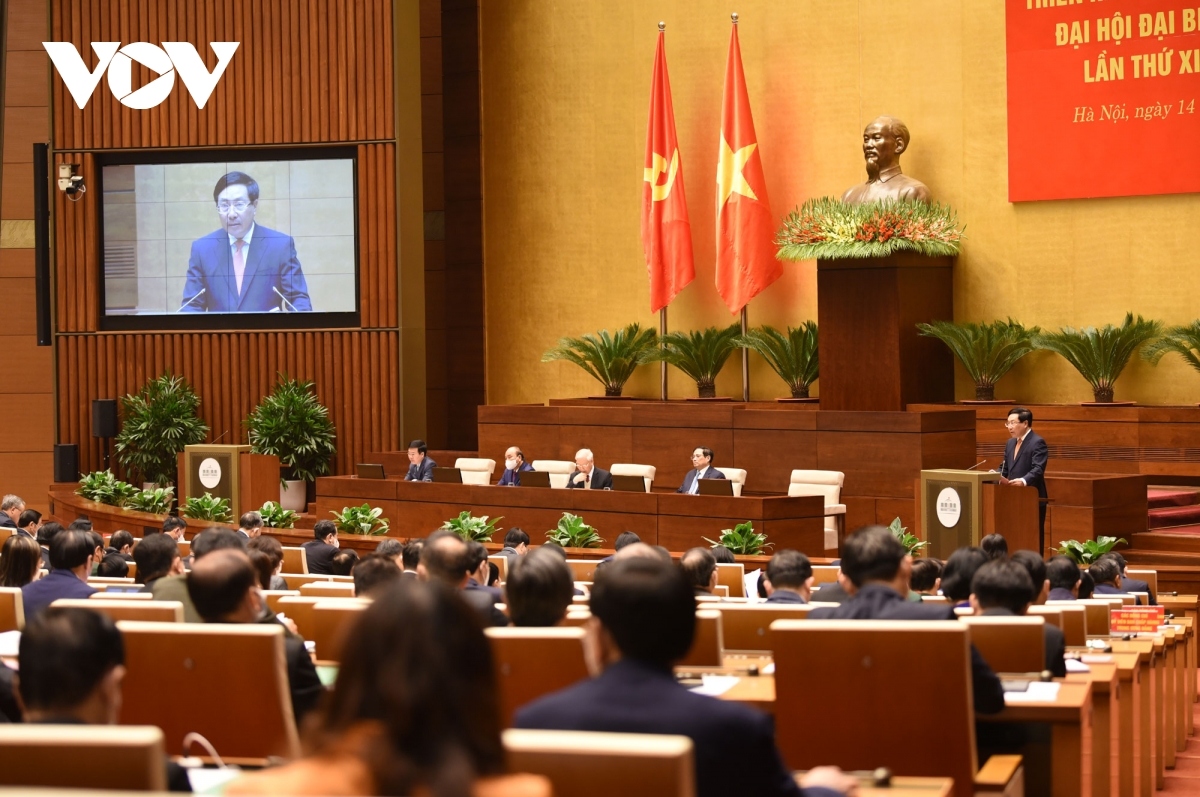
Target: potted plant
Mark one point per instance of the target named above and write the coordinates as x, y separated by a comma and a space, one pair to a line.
276, 517
104, 488
911, 542
157, 501
987, 351
700, 354
742, 540
1101, 354
292, 424
363, 519
1184, 341
1088, 551
158, 422
478, 529
609, 359
793, 356
572, 532
207, 507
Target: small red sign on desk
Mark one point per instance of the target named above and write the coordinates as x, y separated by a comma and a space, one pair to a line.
1136, 619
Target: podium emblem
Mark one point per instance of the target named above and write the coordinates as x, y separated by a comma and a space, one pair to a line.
949, 507
210, 473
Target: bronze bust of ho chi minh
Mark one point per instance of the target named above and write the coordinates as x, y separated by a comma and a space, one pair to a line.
883, 142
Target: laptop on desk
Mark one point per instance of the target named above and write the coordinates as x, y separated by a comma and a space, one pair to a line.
369, 471
715, 487
535, 478
628, 484
447, 476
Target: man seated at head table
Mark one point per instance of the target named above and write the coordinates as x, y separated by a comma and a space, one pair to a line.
1064, 578
789, 578
514, 466
1106, 574
643, 621
1004, 589
586, 475
878, 569
420, 464
702, 468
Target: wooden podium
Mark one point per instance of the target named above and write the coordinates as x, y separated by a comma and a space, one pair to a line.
961, 507
247, 480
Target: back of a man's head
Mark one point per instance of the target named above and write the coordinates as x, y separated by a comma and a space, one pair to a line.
515, 537
392, 548
1119, 559
638, 550
1035, 565
218, 583
47, 532
445, 558
80, 524
626, 538
412, 554
789, 569
70, 548
170, 523
1003, 584
871, 554
698, 566
1062, 572
250, 521
65, 654
216, 539
343, 562
1105, 571
995, 546
323, 529
925, 574
958, 571
477, 554
373, 574
648, 608
120, 539
154, 556
539, 589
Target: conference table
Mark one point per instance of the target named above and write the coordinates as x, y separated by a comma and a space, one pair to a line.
675, 521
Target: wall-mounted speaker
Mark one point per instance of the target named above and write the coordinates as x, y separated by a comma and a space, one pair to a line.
41, 240
104, 418
66, 462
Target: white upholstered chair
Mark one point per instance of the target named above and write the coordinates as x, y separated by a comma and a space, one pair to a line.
559, 470
828, 484
476, 471
735, 475
645, 471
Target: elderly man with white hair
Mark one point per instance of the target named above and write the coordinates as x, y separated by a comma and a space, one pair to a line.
587, 476
11, 507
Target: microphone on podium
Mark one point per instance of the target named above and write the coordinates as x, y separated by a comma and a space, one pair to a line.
194, 298
290, 307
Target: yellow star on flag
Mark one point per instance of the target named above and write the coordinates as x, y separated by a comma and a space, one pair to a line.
730, 179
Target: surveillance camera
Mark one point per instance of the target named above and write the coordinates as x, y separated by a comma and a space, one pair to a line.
69, 182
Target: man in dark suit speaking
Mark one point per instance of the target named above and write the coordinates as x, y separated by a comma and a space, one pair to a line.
243, 267
1025, 457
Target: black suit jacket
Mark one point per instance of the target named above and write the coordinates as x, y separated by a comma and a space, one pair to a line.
1133, 585
879, 602
479, 600
785, 596
830, 593
1030, 463
601, 480
735, 749
422, 472
320, 557
689, 478
1056, 643
303, 682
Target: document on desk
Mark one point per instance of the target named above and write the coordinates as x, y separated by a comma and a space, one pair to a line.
715, 685
1075, 665
1038, 692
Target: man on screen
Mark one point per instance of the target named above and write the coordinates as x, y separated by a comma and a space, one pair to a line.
243, 267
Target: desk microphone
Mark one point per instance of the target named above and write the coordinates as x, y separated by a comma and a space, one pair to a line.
194, 298
977, 464
285, 301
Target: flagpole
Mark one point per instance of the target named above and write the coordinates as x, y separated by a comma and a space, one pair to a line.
662, 330
745, 363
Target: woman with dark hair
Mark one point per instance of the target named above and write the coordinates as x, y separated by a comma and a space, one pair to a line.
20, 561
274, 550
414, 709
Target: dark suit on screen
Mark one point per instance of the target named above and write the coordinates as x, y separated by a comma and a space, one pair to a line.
422, 472
690, 477
270, 265
601, 480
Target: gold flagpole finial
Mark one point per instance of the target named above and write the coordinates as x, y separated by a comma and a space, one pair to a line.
734, 17
662, 26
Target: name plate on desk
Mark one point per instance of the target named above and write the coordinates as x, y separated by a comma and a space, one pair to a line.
1136, 619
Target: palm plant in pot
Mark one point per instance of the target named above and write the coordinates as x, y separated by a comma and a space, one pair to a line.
701, 354
1183, 340
987, 351
158, 422
1100, 355
292, 424
609, 359
791, 355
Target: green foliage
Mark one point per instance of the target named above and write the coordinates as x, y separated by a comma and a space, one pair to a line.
742, 539
829, 228
276, 517
293, 425
609, 359
1184, 341
1101, 354
104, 488
1088, 551
157, 501
987, 351
479, 529
207, 507
360, 520
572, 532
911, 542
158, 423
700, 354
793, 356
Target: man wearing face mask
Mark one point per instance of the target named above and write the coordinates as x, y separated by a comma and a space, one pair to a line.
514, 463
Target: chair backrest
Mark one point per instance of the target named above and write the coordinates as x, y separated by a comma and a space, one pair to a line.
328, 589
825, 574
297, 580
576, 618
272, 597
501, 563
708, 646
746, 626
299, 609
332, 620
1052, 614
825, 483
1095, 614
475, 470
647, 472
226, 682
1074, 620
12, 609
99, 582
105, 595
83, 757
582, 569
559, 470
1149, 576
842, 671
585, 764
152, 611
295, 560
735, 475
1009, 644
531, 662
934, 599
732, 576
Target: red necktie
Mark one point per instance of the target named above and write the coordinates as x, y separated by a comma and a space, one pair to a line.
239, 263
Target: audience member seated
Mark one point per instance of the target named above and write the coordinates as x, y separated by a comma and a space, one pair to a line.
516, 543
1087, 586
723, 555
479, 574
80, 524
700, 568
878, 568
224, 589
1064, 578
28, 523
174, 527
789, 578
156, 556
121, 543
320, 551
514, 466
586, 475
994, 546
391, 548
540, 587
113, 565
273, 549
250, 525
414, 709
626, 538
957, 573
72, 663
446, 559
20, 561
97, 550
11, 507
833, 592
643, 621
1130, 584
1035, 565
411, 557
1003, 589
174, 587
44, 535
420, 467
926, 576
262, 566
71, 556
343, 562
374, 574
1106, 575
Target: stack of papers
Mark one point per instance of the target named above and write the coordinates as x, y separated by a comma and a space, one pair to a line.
1038, 692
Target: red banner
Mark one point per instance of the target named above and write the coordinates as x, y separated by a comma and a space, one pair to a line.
1136, 619
1102, 98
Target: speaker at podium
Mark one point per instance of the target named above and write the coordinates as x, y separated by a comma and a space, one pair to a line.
961, 507
229, 471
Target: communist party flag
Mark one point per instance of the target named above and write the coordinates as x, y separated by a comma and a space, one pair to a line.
666, 231
746, 263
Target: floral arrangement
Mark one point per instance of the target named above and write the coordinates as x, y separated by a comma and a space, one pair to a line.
829, 228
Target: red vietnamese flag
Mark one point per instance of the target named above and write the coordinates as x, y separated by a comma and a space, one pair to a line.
666, 231
746, 263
